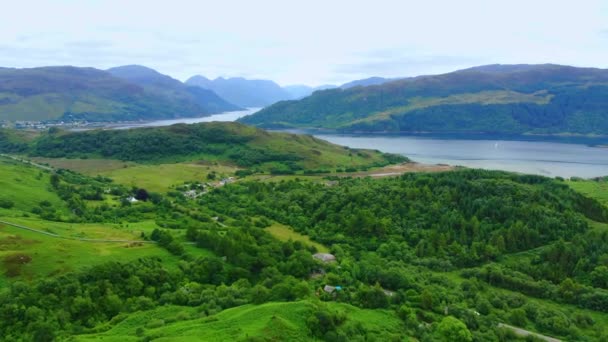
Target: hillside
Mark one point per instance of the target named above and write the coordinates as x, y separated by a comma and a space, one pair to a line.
462, 255
241, 91
271, 321
172, 89
513, 99
72, 93
235, 143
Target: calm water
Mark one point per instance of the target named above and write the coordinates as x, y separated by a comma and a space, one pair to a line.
226, 116
564, 157
536, 157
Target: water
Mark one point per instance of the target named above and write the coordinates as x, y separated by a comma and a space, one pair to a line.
226, 116
553, 158
564, 157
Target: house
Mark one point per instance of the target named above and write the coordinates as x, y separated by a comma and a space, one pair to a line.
132, 199
325, 257
331, 289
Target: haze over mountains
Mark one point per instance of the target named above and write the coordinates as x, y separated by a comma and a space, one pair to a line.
121, 94
514, 99
130, 92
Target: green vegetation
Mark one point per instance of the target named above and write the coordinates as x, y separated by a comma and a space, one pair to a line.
284, 233
273, 321
594, 188
229, 143
539, 99
422, 256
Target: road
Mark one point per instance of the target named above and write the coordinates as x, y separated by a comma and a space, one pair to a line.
523, 333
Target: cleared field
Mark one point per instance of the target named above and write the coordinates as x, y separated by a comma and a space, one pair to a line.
592, 188
284, 233
160, 178
272, 321
28, 255
90, 167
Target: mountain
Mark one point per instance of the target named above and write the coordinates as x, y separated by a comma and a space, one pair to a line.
513, 99
366, 82
66, 92
299, 91
170, 88
242, 92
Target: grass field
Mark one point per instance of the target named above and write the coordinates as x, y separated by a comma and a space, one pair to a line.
271, 321
592, 188
284, 233
26, 186
161, 178
90, 167
28, 255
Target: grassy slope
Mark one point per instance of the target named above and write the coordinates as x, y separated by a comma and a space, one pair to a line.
592, 188
271, 321
161, 178
543, 99
285, 233
26, 186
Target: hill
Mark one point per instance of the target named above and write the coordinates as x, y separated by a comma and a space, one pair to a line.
241, 91
298, 91
72, 93
172, 89
513, 99
270, 321
463, 255
366, 82
238, 144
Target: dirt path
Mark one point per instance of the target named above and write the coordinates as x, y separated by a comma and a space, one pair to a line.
399, 169
69, 237
25, 161
524, 333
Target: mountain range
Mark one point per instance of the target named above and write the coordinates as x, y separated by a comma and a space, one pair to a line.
261, 93
241, 91
126, 93
130, 92
514, 99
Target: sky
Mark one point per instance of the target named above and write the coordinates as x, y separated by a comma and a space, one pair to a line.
302, 42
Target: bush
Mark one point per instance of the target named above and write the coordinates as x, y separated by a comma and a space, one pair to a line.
6, 204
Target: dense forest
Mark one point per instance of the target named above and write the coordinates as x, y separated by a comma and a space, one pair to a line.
448, 254
537, 99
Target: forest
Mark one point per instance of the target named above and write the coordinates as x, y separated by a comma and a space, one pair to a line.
507, 99
441, 255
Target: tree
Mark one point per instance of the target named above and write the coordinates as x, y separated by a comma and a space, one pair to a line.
599, 277
141, 195
452, 330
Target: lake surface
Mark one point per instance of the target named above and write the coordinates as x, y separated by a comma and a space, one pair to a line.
537, 157
226, 116
564, 157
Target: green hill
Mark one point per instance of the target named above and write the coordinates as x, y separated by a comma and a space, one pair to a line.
238, 144
428, 257
266, 322
68, 93
513, 99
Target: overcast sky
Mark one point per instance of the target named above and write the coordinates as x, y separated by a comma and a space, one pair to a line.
308, 42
